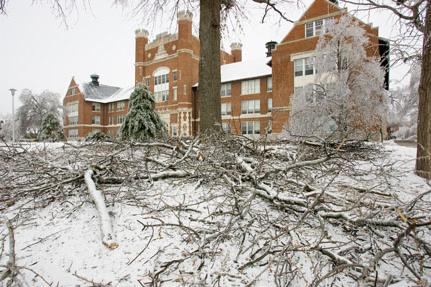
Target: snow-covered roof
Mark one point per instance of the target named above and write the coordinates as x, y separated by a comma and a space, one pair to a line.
245, 70
97, 93
120, 95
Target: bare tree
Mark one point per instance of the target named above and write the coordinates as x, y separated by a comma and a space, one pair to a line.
415, 16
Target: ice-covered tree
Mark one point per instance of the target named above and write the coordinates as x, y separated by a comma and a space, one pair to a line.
51, 129
403, 114
142, 122
33, 110
347, 98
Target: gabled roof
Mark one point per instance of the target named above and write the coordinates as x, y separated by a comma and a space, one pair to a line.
244, 70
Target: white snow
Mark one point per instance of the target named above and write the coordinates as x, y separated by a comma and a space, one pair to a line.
61, 243
244, 70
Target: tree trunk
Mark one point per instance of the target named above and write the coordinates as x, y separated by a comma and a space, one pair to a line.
423, 161
209, 66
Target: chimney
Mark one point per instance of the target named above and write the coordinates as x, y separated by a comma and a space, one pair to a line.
236, 51
269, 47
94, 79
185, 25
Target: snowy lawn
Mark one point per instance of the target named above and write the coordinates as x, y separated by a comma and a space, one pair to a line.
232, 213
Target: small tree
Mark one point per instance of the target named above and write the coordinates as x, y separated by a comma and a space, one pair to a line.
51, 129
347, 99
142, 122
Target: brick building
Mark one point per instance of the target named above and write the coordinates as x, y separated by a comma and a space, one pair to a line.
255, 94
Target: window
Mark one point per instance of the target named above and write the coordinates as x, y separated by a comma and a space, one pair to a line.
73, 121
161, 96
226, 127
112, 107
161, 79
316, 28
299, 67
226, 109
111, 120
73, 91
269, 84
72, 109
120, 119
96, 107
121, 106
225, 90
174, 131
250, 87
309, 32
72, 133
269, 105
175, 93
309, 66
250, 128
304, 66
250, 107
95, 120
147, 81
174, 75
185, 90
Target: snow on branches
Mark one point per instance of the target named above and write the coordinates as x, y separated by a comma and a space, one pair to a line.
142, 121
347, 99
221, 212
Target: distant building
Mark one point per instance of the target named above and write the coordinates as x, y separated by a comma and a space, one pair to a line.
255, 94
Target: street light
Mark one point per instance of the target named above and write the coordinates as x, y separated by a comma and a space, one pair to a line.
12, 91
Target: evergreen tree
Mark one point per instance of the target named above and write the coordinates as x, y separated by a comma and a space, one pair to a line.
51, 129
142, 122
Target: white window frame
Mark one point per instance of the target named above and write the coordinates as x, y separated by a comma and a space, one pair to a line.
94, 120
121, 106
226, 109
269, 84
96, 107
250, 107
175, 93
250, 87
250, 128
315, 28
226, 90
269, 105
73, 133
73, 121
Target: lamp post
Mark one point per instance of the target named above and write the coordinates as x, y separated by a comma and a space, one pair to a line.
12, 91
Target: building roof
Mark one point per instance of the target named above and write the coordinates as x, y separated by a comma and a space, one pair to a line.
245, 70
98, 93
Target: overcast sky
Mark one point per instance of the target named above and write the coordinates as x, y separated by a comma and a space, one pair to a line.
38, 52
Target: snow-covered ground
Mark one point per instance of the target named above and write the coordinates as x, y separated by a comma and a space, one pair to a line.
170, 225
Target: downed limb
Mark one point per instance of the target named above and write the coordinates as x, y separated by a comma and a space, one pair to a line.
11, 269
108, 238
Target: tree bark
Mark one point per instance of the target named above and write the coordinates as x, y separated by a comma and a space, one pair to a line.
209, 66
423, 161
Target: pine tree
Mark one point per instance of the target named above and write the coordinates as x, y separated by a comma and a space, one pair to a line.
142, 122
51, 129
